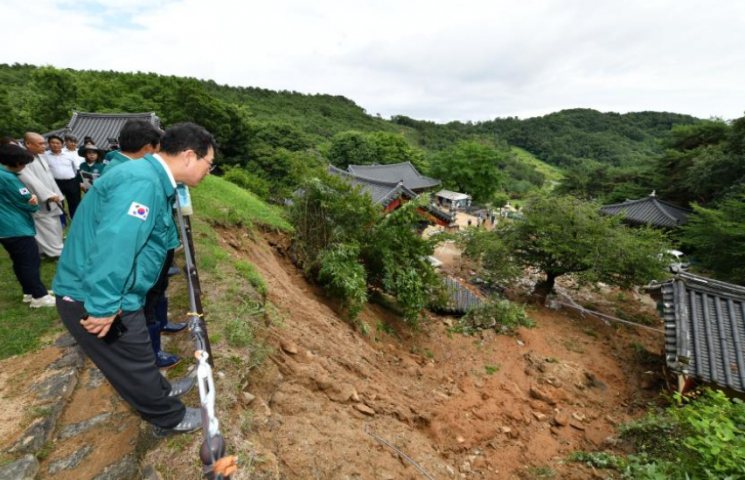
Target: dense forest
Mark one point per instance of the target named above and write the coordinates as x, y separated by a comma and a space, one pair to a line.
280, 135
271, 141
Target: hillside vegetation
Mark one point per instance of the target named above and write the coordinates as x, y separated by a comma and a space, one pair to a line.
280, 137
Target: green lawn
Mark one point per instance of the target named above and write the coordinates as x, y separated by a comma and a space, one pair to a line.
552, 173
230, 205
22, 327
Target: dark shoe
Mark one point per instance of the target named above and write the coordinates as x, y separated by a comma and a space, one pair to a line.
192, 422
181, 387
173, 271
166, 360
174, 327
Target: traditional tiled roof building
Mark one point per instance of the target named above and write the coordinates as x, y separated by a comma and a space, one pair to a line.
649, 211
394, 173
103, 128
704, 330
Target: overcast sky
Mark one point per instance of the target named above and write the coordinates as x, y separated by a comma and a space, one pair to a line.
435, 60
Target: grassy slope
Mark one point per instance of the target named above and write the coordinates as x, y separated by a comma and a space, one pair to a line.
552, 173
216, 202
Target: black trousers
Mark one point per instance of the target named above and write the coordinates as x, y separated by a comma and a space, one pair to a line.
71, 190
24, 253
128, 364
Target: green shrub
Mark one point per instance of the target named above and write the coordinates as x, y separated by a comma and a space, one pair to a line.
345, 277
602, 460
697, 438
256, 185
502, 315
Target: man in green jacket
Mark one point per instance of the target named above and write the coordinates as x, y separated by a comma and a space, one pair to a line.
114, 253
17, 229
138, 138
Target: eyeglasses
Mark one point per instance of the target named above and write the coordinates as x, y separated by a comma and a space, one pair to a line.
211, 164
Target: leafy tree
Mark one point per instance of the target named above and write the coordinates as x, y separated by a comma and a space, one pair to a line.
57, 95
352, 148
245, 179
717, 235
343, 240
393, 148
358, 148
470, 167
564, 235
396, 257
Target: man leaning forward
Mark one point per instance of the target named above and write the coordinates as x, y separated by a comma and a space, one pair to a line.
114, 253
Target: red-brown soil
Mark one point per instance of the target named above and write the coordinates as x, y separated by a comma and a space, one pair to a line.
460, 406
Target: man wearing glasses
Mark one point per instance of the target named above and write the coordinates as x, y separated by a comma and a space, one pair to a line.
115, 252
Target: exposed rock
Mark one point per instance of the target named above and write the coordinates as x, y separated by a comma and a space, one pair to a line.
611, 420
324, 383
65, 340
34, 438
465, 467
73, 357
124, 469
593, 382
342, 393
575, 424
460, 439
23, 469
561, 419
505, 429
95, 378
362, 408
540, 394
277, 400
84, 426
58, 385
150, 473
248, 398
539, 416
70, 462
554, 382
289, 347
580, 417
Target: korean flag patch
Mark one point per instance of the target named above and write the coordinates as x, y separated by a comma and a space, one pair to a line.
24, 191
138, 210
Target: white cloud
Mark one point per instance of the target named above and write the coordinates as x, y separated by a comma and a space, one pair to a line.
439, 60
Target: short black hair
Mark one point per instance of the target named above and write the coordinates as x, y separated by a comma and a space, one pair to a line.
187, 136
136, 134
14, 156
71, 138
55, 137
8, 140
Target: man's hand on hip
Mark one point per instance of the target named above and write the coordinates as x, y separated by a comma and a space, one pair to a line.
98, 326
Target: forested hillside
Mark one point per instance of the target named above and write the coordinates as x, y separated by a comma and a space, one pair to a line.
278, 138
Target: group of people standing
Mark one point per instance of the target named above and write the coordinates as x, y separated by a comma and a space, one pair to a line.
112, 273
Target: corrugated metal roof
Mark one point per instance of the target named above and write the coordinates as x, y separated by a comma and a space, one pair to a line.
452, 195
382, 193
705, 329
397, 172
649, 211
102, 127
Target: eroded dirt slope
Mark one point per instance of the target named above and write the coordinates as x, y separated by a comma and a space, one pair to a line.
493, 407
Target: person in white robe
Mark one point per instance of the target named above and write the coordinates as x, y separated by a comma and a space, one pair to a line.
38, 178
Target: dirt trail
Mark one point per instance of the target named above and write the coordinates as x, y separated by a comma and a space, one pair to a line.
491, 407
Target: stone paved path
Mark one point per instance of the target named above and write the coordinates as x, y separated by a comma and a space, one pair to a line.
74, 425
